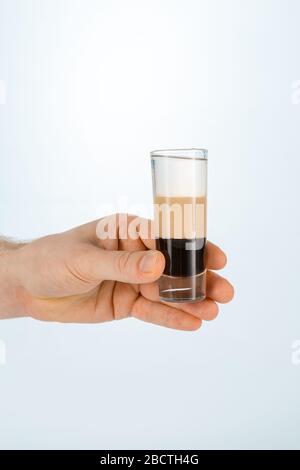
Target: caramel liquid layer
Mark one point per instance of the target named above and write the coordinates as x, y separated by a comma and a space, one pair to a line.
180, 217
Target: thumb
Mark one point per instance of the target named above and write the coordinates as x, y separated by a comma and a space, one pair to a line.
126, 266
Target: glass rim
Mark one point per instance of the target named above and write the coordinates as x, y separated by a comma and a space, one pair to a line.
185, 154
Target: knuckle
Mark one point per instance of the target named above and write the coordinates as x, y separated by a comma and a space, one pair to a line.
123, 262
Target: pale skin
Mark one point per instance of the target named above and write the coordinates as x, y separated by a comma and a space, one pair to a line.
76, 277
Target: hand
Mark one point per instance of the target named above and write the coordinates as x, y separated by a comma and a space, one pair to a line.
76, 277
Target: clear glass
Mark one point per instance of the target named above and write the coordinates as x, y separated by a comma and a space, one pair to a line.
180, 193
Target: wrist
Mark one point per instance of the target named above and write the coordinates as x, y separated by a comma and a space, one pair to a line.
11, 303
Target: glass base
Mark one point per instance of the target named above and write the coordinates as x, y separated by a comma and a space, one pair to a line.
182, 289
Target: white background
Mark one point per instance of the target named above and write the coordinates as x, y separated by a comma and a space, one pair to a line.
91, 87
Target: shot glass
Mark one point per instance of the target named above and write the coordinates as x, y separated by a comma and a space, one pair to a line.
180, 192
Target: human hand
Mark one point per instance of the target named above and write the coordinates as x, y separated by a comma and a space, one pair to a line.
77, 277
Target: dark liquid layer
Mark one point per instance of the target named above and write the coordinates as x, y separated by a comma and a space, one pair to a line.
184, 257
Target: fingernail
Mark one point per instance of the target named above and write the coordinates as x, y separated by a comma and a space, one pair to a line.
148, 262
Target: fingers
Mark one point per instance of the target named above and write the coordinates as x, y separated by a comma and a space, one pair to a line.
215, 257
96, 264
206, 310
135, 230
218, 288
163, 315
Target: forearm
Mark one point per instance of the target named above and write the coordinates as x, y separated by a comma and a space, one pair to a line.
10, 304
